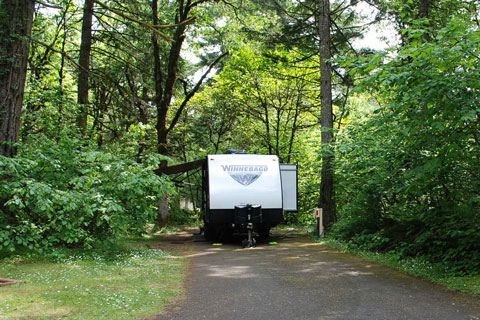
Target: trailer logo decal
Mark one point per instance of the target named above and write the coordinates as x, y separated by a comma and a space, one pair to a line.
245, 174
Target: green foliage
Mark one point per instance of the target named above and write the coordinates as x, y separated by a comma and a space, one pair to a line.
64, 192
409, 177
180, 215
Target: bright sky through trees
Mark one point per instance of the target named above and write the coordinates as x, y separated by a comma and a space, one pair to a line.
378, 36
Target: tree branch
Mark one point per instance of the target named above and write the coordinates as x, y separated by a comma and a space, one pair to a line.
149, 26
194, 90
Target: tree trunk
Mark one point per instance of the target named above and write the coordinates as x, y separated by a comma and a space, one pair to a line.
163, 212
424, 8
62, 61
164, 91
424, 13
161, 126
292, 134
165, 83
84, 65
16, 18
327, 201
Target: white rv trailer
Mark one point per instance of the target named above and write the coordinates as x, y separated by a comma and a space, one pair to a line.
246, 192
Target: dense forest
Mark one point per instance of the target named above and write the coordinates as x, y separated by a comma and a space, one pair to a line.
97, 96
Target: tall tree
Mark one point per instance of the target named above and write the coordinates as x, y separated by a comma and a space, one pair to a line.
166, 81
327, 201
84, 64
16, 18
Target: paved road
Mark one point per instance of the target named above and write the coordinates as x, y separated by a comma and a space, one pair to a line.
298, 279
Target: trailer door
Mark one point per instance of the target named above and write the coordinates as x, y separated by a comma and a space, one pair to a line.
288, 173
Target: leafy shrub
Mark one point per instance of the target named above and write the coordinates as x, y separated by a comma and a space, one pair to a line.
64, 192
409, 177
180, 216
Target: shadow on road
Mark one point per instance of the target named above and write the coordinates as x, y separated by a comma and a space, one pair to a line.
298, 278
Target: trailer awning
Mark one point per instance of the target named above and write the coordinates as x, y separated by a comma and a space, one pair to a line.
181, 168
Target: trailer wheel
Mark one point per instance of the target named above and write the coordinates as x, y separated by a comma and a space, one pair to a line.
264, 233
218, 233
211, 233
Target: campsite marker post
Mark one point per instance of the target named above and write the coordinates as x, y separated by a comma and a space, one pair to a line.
318, 214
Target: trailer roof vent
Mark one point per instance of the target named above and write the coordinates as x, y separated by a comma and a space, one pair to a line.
233, 151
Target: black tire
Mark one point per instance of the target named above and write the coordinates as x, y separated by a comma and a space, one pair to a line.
264, 233
218, 233
211, 233
225, 234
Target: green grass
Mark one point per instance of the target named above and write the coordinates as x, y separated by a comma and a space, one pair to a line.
417, 266
118, 284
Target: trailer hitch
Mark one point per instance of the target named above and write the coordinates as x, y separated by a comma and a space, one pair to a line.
247, 217
250, 242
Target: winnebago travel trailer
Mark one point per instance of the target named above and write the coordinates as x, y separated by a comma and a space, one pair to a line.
246, 193
242, 193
